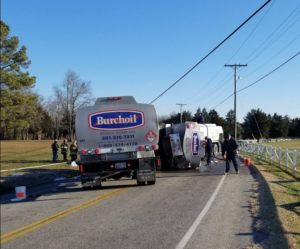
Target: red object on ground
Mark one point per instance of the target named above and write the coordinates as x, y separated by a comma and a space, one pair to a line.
247, 161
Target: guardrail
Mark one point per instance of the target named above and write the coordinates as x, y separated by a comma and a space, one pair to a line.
287, 158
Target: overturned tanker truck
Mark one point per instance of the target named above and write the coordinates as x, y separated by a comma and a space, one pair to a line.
117, 138
182, 145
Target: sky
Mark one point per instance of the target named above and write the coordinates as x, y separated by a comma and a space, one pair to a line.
141, 48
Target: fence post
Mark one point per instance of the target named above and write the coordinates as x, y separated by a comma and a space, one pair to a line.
295, 161
279, 156
266, 152
273, 156
286, 159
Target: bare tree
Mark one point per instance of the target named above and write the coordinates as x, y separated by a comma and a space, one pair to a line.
55, 109
78, 94
73, 93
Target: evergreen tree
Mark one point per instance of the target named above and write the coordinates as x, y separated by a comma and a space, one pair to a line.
279, 126
256, 125
18, 104
229, 124
294, 129
214, 118
186, 116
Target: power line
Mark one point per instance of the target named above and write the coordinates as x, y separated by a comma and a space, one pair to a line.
281, 65
288, 23
274, 36
255, 82
218, 88
266, 62
231, 34
251, 33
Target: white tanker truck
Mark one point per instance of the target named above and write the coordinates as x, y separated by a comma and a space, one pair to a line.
182, 145
117, 137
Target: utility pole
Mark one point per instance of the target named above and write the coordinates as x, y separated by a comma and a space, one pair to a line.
180, 111
235, 66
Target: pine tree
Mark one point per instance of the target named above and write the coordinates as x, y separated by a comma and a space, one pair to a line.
17, 101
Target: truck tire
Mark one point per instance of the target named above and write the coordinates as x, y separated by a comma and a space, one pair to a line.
151, 182
141, 183
215, 149
86, 188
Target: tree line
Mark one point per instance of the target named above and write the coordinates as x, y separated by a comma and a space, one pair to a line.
26, 115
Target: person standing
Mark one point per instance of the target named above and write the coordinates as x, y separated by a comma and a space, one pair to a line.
200, 119
73, 152
229, 153
64, 149
208, 151
55, 148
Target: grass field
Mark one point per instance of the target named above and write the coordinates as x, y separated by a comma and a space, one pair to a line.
18, 154
291, 144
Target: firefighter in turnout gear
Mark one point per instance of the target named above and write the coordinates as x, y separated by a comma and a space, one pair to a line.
64, 149
73, 153
55, 148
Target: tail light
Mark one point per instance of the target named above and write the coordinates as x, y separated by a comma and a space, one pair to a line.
154, 146
81, 168
158, 162
97, 151
83, 152
141, 148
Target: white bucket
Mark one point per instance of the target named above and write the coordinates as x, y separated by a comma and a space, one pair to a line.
74, 164
20, 192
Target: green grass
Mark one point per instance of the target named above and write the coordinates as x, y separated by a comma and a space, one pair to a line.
18, 154
291, 144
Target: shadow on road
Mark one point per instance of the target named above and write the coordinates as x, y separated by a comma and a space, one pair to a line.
47, 182
33, 178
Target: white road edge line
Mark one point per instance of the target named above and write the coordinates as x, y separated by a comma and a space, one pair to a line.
185, 239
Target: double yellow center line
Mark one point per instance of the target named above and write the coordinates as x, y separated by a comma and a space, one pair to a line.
35, 225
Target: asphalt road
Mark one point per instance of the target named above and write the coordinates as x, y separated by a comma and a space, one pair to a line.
184, 209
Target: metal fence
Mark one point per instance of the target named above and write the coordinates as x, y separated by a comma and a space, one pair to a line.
285, 158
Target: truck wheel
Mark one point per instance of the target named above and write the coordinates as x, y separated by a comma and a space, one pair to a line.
140, 183
215, 149
151, 182
86, 188
98, 187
